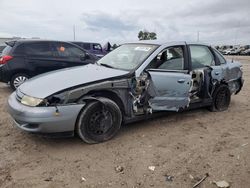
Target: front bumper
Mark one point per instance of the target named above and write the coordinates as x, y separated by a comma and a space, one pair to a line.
43, 119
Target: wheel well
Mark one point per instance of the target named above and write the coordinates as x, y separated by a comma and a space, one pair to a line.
219, 83
110, 95
19, 72
107, 94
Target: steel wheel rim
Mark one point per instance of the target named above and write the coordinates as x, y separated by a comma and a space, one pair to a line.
95, 126
19, 80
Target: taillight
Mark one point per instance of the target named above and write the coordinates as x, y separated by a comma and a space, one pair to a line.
5, 59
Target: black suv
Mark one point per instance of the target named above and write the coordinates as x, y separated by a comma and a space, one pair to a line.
23, 59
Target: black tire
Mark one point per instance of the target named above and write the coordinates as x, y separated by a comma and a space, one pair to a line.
99, 121
221, 99
21, 77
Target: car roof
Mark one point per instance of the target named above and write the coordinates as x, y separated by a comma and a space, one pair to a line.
13, 42
170, 43
84, 42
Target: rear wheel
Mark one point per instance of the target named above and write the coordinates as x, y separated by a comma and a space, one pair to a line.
221, 98
99, 121
17, 80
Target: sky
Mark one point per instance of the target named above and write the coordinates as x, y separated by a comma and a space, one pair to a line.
119, 21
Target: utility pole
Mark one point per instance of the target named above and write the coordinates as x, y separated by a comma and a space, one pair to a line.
198, 36
74, 32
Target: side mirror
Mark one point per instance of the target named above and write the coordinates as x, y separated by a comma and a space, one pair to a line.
87, 56
84, 57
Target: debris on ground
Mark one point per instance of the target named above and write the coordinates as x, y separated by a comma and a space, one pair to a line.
202, 179
191, 177
231, 155
48, 179
119, 169
152, 168
221, 184
169, 178
244, 144
83, 179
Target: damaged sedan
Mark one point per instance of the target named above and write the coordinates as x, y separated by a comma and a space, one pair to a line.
133, 82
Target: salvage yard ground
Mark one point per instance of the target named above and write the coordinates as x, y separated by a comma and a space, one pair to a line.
185, 146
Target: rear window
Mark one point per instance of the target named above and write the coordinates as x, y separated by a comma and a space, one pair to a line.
1, 48
6, 50
38, 49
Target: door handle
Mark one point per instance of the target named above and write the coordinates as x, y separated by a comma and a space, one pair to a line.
181, 81
217, 73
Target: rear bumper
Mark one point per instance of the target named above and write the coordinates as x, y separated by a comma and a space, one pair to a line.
43, 119
3, 76
1, 73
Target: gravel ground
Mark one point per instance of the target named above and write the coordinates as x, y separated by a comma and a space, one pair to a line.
185, 146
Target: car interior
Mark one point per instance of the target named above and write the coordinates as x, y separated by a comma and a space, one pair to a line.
169, 59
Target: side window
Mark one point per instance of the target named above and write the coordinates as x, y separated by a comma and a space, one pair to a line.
220, 57
38, 49
201, 56
85, 46
171, 58
67, 52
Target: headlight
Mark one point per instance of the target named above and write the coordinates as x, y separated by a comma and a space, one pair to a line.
31, 101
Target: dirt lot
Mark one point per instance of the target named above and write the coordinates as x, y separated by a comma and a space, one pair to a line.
186, 146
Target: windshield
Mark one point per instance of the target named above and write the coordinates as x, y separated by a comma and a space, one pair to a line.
127, 56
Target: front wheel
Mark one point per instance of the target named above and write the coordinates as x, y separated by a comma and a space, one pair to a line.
221, 98
99, 121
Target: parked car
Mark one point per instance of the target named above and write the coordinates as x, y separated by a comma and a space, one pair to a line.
23, 59
245, 52
133, 82
94, 48
235, 51
227, 51
2, 46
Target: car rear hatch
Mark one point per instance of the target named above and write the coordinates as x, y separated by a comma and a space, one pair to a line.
5, 57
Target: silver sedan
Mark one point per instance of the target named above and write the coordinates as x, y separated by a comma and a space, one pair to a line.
133, 82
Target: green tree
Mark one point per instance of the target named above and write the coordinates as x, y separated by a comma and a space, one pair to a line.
146, 35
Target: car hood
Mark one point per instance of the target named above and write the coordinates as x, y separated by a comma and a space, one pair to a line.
47, 84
